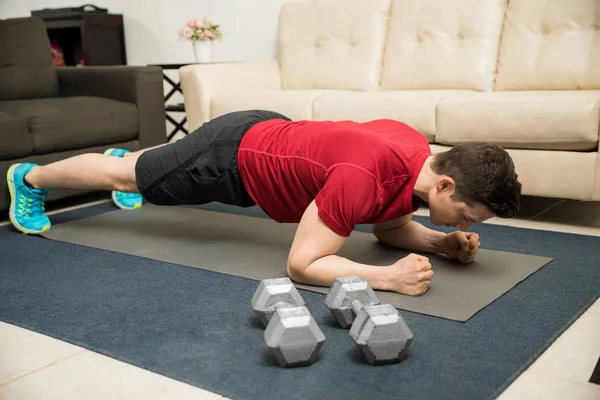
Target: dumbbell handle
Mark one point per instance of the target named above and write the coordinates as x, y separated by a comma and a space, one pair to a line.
282, 304
356, 306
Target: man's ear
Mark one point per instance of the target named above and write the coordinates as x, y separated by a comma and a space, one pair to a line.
445, 184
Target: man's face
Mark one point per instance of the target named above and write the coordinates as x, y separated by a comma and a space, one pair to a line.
445, 210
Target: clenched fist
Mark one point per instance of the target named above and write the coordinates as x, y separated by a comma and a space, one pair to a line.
461, 246
410, 275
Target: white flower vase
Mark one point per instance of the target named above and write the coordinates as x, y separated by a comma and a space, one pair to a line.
202, 51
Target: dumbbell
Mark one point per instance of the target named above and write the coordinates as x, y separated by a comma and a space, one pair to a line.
291, 333
378, 329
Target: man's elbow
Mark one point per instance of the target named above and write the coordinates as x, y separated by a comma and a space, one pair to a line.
377, 233
382, 235
296, 268
388, 232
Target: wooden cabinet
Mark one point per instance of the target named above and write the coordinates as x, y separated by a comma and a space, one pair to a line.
88, 38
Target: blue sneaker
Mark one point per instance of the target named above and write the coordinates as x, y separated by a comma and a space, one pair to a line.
26, 203
124, 200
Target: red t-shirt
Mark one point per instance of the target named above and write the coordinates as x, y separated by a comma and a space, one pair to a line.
356, 172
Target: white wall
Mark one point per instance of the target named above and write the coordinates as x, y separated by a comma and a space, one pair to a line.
152, 26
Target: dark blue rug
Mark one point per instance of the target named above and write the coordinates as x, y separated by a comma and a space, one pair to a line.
197, 326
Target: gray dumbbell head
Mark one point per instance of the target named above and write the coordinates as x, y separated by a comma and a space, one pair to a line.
382, 334
343, 292
273, 291
294, 337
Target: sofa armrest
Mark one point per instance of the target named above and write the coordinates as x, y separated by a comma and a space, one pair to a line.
142, 86
200, 82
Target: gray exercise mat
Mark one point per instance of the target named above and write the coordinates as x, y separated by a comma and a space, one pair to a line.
257, 248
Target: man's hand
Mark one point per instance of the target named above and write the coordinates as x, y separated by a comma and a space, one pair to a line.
410, 275
461, 246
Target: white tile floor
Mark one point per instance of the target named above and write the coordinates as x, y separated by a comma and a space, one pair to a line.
34, 366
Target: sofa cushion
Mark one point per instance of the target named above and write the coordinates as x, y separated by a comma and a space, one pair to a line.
75, 122
15, 139
438, 44
413, 107
332, 44
294, 104
550, 44
559, 120
26, 69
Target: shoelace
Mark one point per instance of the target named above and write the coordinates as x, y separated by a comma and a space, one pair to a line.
30, 206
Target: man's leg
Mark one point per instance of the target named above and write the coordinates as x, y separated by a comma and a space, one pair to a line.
127, 200
139, 152
87, 172
29, 184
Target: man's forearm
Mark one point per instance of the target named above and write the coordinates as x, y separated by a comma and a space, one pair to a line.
323, 271
413, 236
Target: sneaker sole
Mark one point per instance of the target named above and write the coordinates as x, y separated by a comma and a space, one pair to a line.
121, 206
10, 180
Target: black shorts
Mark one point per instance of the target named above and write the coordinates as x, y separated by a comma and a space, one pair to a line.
201, 167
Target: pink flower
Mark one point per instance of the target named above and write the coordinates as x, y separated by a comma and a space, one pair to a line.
208, 33
191, 23
199, 25
217, 33
187, 32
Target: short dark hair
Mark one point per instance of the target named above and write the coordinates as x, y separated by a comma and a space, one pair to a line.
484, 173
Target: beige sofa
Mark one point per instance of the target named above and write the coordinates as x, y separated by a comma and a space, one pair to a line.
521, 73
